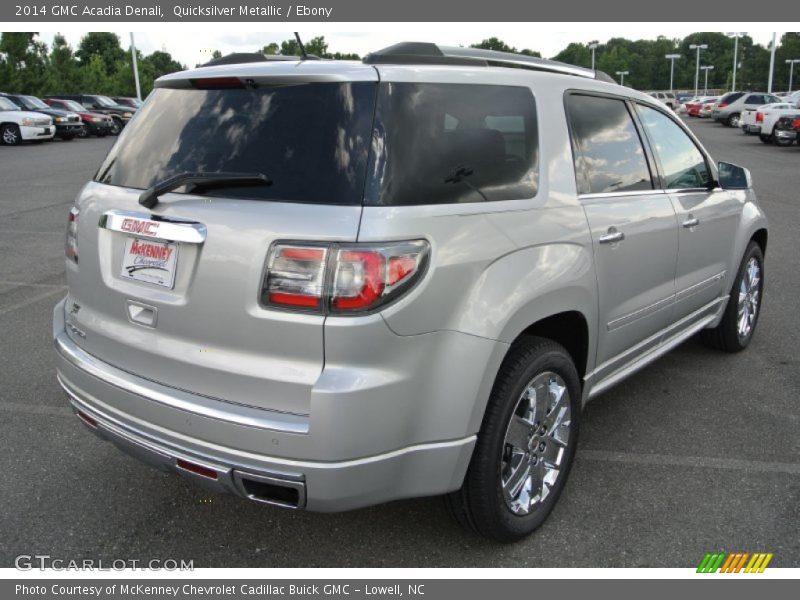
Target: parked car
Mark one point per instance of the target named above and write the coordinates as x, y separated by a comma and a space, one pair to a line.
707, 108
728, 110
787, 130
103, 105
67, 123
479, 252
667, 98
93, 123
17, 125
127, 101
761, 120
693, 105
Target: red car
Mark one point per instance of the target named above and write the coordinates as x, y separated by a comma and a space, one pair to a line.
93, 123
694, 105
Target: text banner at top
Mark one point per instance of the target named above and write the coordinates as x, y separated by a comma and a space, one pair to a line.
233, 11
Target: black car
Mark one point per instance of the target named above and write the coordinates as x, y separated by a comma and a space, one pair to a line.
104, 105
67, 123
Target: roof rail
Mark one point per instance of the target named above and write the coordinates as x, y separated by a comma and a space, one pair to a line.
426, 53
249, 57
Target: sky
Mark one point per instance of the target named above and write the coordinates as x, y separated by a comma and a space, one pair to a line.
193, 43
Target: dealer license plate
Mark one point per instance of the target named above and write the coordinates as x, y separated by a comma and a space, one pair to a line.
150, 262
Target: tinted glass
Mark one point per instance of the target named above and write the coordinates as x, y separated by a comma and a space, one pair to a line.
70, 105
34, 102
310, 139
6, 104
448, 143
731, 97
607, 146
755, 99
682, 164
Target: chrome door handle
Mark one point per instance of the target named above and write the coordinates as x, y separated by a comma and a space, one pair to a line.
691, 222
612, 236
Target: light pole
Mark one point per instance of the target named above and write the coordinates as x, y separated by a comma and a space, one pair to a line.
791, 62
772, 63
135, 69
735, 35
622, 76
706, 68
697, 47
593, 46
671, 58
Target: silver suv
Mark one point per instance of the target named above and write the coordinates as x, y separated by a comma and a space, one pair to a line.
326, 285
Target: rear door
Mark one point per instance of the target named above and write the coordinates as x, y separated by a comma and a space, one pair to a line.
707, 215
173, 293
633, 228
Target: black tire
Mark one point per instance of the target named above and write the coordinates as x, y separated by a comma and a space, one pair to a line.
480, 505
10, 135
783, 142
767, 139
116, 127
733, 120
726, 336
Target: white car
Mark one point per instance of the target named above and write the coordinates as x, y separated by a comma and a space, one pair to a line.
17, 126
761, 120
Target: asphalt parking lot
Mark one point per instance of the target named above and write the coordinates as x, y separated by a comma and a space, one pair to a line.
700, 452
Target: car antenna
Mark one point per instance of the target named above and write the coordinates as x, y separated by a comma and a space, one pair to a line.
302, 48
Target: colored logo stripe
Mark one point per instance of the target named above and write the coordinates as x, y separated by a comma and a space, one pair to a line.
734, 562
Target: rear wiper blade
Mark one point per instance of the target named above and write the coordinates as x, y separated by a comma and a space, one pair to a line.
149, 197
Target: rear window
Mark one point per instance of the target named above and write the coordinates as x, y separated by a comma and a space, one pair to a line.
452, 143
310, 139
731, 97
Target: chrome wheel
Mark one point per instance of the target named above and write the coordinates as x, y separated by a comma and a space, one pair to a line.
749, 297
10, 135
735, 120
535, 443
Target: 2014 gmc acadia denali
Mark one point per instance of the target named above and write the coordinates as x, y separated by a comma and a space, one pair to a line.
326, 284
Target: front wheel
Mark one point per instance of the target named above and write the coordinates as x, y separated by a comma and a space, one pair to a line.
525, 446
116, 127
738, 324
10, 135
767, 139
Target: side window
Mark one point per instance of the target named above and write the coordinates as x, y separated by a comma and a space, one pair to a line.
607, 147
755, 99
683, 165
447, 143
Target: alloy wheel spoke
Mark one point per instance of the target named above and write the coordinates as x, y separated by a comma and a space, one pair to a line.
519, 431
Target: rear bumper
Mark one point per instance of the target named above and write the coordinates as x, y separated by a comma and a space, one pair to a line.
786, 134
176, 431
752, 128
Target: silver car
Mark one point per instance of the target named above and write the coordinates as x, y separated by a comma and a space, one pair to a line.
324, 285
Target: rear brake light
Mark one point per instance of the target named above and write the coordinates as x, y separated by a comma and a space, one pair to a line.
722, 105
759, 117
217, 83
71, 244
295, 276
796, 124
356, 277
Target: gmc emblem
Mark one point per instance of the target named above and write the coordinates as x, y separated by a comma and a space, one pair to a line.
140, 227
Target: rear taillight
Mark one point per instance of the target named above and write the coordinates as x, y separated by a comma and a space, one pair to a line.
759, 117
71, 245
796, 124
341, 278
722, 105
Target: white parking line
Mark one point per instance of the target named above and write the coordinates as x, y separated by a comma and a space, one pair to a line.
671, 460
29, 301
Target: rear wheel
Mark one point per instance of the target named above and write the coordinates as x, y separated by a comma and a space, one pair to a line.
525, 446
733, 120
738, 324
10, 134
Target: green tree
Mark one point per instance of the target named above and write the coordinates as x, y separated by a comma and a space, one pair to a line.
63, 68
499, 45
23, 62
271, 49
103, 44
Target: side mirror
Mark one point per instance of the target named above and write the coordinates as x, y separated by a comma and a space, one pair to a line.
734, 177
